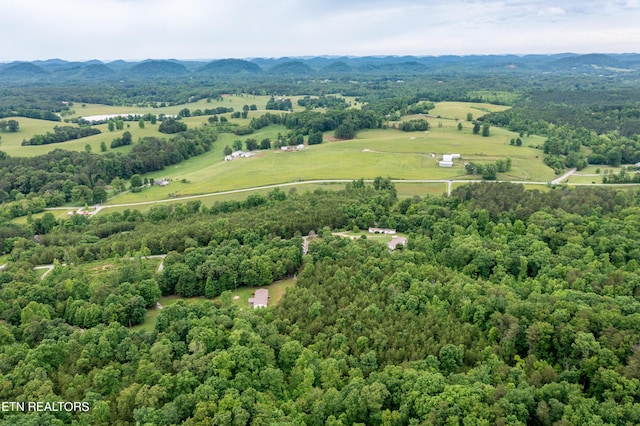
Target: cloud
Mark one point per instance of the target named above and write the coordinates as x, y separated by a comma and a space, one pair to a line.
139, 29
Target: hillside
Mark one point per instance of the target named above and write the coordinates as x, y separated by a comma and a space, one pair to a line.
230, 66
58, 70
154, 68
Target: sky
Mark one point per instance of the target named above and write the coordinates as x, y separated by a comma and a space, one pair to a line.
214, 29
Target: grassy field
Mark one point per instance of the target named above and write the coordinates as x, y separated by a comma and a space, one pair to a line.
240, 298
30, 127
379, 152
399, 155
459, 110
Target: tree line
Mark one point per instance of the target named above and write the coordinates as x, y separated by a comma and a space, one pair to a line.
30, 184
61, 134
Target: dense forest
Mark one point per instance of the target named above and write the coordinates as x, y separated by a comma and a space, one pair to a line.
506, 307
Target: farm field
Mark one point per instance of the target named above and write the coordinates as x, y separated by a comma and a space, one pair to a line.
392, 153
459, 110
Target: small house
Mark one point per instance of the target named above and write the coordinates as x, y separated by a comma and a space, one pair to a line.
385, 231
161, 182
260, 298
395, 242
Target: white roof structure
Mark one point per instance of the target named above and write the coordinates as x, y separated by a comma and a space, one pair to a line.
395, 242
385, 231
260, 298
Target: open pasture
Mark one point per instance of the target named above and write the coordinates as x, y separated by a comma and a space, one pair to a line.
459, 110
399, 155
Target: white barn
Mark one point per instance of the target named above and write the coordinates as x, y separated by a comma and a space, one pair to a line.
447, 161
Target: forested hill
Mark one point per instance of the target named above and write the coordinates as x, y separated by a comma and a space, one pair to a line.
521, 311
58, 71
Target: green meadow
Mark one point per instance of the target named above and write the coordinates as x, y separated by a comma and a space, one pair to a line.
372, 153
459, 110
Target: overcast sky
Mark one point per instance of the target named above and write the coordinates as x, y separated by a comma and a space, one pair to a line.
213, 29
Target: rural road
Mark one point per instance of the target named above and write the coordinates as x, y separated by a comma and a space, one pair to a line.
564, 176
321, 181
48, 268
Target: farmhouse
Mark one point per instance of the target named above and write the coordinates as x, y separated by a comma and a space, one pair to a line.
385, 231
161, 182
260, 298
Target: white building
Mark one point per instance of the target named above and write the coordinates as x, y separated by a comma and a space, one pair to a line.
447, 160
260, 298
385, 231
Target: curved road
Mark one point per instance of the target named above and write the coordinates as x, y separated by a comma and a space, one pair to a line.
449, 182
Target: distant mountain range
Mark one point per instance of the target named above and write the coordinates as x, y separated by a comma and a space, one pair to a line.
58, 70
